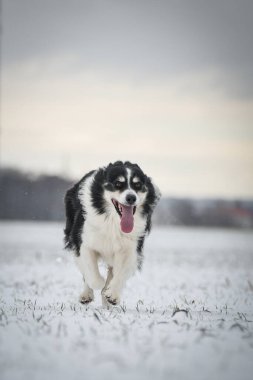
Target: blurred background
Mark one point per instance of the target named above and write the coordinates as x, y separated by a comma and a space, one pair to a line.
164, 83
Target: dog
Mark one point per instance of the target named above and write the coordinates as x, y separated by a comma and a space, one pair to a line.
108, 216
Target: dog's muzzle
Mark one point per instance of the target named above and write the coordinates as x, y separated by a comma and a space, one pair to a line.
126, 213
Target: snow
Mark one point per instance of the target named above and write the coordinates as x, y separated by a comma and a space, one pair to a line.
188, 314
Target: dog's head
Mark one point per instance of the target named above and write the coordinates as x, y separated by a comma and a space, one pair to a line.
127, 189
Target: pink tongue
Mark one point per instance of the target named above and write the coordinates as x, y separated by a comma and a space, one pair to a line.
127, 219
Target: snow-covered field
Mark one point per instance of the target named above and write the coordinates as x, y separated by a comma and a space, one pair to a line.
187, 315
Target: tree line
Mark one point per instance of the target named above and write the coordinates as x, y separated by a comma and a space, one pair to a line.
27, 197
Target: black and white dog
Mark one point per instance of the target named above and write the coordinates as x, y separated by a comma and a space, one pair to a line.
108, 215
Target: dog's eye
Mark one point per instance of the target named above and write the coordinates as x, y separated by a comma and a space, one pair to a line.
118, 184
137, 185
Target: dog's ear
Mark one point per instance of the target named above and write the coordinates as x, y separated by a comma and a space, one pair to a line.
157, 192
153, 195
116, 163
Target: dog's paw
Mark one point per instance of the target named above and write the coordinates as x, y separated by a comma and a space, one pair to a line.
111, 296
85, 300
86, 297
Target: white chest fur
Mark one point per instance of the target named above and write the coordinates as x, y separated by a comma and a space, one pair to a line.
103, 235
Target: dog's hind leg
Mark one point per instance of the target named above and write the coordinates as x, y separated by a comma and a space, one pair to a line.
88, 265
87, 294
105, 303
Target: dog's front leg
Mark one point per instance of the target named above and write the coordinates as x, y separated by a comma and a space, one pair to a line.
109, 278
124, 266
88, 265
87, 294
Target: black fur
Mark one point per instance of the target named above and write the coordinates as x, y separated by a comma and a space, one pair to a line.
75, 217
140, 246
106, 178
97, 191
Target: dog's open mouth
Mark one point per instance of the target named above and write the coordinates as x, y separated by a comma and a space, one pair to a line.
126, 214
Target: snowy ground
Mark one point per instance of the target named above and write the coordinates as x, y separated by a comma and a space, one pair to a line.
188, 315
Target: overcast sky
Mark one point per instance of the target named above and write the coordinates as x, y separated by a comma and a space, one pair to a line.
167, 84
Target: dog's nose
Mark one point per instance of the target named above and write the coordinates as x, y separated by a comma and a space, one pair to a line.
130, 198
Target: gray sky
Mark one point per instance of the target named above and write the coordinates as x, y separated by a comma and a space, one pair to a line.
168, 84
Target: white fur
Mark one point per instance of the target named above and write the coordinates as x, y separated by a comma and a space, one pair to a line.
102, 238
